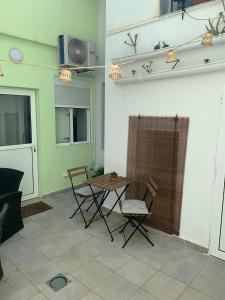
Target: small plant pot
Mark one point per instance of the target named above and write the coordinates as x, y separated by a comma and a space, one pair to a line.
113, 175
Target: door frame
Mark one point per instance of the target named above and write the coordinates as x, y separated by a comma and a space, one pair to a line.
33, 145
218, 194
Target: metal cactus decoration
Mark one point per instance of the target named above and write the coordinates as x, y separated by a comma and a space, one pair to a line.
214, 29
148, 68
133, 42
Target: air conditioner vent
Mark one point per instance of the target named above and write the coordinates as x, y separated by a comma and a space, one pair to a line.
74, 52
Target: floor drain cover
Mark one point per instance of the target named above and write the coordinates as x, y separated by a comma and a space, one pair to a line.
58, 282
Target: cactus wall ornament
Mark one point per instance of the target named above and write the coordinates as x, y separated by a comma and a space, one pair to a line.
148, 68
214, 29
133, 42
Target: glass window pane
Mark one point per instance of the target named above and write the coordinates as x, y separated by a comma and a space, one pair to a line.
15, 120
62, 125
80, 121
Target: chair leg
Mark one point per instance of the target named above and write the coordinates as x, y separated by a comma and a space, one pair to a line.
79, 206
124, 227
127, 240
93, 202
143, 227
90, 206
138, 227
145, 235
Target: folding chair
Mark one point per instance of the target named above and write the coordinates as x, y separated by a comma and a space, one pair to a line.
136, 211
85, 193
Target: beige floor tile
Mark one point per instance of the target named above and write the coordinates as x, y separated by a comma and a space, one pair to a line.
191, 294
153, 256
142, 295
72, 260
38, 297
91, 296
115, 287
55, 248
7, 265
113, 258
193, 256
164, 287
20, 289
94, 247
42, 237
76, 237
31, 261
16, 248
216, 266
92, 274
10, 277
181, 270
210, 285
136, 271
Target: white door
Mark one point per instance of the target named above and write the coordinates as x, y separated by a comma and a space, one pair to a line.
18, 142
217, 237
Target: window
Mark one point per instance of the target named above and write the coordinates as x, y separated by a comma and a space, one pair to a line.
72, 112
15, 120
167, 6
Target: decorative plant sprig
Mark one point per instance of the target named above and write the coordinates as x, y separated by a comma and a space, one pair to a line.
133, 42
214, 29
148, 68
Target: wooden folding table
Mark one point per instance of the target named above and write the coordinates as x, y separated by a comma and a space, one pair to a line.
107, 184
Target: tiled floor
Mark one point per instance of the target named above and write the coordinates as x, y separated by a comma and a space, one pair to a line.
51, 243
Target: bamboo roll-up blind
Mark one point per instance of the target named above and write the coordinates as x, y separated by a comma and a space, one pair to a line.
157, 148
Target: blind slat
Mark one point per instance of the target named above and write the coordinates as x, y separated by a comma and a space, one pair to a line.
72, 96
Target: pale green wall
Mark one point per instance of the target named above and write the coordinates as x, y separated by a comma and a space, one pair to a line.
52, 160
42, 20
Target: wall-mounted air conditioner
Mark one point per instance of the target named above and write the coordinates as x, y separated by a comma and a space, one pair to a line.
74, 52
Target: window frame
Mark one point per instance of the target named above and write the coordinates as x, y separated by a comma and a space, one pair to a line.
175, 11
80, 84
88, 111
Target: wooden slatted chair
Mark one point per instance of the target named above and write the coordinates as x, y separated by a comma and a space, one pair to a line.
136, 211
84, 193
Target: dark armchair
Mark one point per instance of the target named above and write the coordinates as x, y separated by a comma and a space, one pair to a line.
9, 184
2, 217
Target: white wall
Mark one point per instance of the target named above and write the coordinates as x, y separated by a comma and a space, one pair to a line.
195, 96
100, 79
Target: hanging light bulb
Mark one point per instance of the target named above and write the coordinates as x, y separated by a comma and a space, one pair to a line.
65, 75
1, 72
207, 39
171, 57
115, 73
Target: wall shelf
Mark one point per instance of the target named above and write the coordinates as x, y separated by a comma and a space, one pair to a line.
154, 53
185, 71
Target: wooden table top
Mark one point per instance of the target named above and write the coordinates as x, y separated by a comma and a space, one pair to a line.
105, 182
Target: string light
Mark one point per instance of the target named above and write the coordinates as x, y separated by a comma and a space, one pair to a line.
115, 73
1, 72
65, 75
207, 39
171, 57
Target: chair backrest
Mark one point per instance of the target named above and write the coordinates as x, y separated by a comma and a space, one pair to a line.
75, 172
152, 191
10, 180
2, 217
